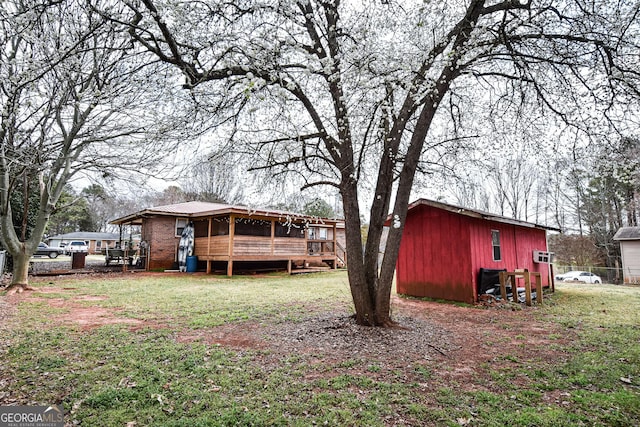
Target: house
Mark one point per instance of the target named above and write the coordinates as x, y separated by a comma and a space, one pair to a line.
230, 237
444, 248
95, 241
629, 238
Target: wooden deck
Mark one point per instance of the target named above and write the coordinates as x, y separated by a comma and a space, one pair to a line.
230, 248
227, 235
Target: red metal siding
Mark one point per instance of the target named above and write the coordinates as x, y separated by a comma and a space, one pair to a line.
434, 259
517, 246
481, 245
441, 253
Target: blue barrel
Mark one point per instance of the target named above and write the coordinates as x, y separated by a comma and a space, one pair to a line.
192, 264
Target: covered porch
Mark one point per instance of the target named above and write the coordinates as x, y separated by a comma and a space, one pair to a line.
228, 238
241, 239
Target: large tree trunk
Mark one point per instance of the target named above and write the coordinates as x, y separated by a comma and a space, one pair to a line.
20, 279
380, 283
361, 291
21, 250
371, 292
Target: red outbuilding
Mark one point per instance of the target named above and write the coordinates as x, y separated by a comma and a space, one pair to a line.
444, 248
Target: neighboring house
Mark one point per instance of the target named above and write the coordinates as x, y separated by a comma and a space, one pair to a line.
229, 237
94, 240
629, 238
444, 247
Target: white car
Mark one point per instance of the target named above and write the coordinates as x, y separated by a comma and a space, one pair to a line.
579, 276
76, 246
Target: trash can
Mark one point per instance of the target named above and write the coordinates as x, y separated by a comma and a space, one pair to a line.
78, 260
192, 264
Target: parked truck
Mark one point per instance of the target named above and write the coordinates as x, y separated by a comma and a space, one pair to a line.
50, 251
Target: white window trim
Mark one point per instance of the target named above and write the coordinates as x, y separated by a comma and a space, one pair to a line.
185, 221
323, 233
493, 246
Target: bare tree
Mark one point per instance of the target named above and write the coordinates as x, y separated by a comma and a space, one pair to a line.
214, 179
572, 249
346, 95
511, 182
68, 105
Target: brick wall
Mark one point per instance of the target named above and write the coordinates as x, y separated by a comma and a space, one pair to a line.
160, 233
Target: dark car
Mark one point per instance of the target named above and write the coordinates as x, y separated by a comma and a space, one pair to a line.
50, 251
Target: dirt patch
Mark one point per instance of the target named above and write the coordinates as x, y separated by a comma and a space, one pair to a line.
77, 312
505, 337
333, 334
92, 317
461, 344
237, 336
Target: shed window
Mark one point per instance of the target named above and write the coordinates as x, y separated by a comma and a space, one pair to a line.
495, 242
181, 223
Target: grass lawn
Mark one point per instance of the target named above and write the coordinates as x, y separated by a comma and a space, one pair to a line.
196, 350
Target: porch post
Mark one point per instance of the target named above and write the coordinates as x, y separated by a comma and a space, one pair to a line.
232, 232
335, 246
230, 267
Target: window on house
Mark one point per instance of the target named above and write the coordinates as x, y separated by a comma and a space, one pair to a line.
289, 229
322, 233
201, 228
318, 233
181, 223
220, 226
253, 227
495, 241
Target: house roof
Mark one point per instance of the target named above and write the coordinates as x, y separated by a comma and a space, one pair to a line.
475, 213
85, 235
203, 209
627, 233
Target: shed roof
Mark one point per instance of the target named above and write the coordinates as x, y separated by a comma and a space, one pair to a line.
475, 213
197, 209
627, 233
